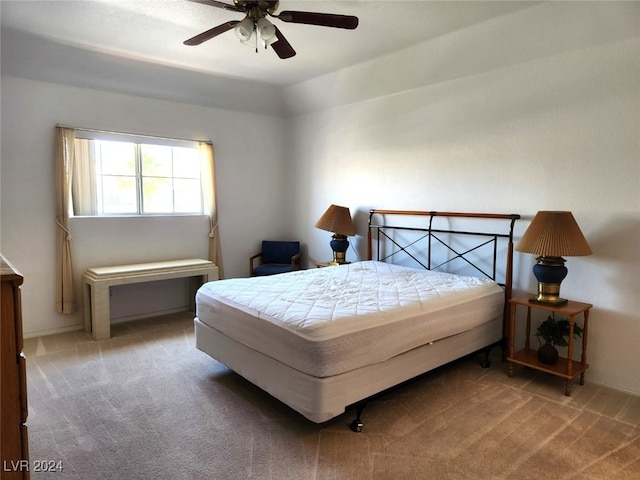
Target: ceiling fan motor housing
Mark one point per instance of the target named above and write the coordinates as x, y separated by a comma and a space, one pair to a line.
261, 5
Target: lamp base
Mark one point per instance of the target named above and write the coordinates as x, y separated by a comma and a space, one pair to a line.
549, 271
339, 245
338, 259
557, 303
548, 294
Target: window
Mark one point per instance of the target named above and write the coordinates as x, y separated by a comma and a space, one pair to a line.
125, 176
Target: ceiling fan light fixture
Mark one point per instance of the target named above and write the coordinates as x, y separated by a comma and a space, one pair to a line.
251, 41
266, 30
245, 28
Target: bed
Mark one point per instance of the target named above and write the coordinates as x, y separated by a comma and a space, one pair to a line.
322, 340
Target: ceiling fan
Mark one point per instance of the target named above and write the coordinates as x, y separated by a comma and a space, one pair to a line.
256, 29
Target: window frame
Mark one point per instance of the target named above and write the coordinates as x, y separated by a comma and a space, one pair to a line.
138, 141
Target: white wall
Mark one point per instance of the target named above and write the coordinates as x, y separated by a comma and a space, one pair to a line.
252, 188
537, 110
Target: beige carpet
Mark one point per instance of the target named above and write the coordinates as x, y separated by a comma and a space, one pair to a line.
147, 405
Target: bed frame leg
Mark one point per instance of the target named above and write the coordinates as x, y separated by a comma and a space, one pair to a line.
356, 425
486, 363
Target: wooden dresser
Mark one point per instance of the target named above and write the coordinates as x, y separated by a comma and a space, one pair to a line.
14, 447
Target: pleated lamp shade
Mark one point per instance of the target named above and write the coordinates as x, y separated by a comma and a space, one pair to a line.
337, 219
554, 234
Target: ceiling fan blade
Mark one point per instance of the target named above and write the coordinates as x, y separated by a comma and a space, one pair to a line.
282, 47
209, 34
323, 19
215, 3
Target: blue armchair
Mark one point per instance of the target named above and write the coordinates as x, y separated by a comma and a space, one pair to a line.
275, 257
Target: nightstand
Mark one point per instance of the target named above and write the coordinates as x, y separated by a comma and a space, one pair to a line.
566, 368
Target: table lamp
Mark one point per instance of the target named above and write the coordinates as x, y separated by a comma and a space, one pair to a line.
338, 221
552, 235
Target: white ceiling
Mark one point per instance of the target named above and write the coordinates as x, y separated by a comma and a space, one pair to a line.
153, 31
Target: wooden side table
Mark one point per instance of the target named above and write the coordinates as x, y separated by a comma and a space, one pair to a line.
566, 368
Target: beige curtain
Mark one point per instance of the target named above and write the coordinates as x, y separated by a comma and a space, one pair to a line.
64, 155
208, 177
83, 191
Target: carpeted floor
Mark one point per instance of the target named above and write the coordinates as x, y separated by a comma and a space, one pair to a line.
146, 404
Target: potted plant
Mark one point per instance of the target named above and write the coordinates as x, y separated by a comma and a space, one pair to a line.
554, 333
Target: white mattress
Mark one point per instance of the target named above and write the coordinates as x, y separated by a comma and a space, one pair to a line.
329, 321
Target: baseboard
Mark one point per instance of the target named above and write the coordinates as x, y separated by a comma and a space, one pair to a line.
78, 327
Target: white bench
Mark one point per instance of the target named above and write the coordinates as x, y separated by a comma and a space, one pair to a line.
97, 280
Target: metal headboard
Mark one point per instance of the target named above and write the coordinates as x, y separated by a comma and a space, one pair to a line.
426, 236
